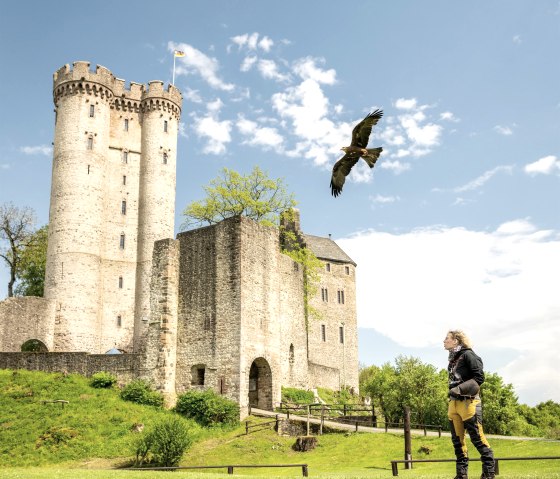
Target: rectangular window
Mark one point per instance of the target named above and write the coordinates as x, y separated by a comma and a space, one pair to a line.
323, 332
340, 296
126, 124
123, 207
122, 242
328, 266
325, 294
347, 269
165, 158
88, 169
119, 320
90, 143
165, 126
124, 180
125, 156
341, 334
120, 282
91, 111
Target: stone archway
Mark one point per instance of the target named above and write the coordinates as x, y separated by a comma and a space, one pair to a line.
260, 385
34, 346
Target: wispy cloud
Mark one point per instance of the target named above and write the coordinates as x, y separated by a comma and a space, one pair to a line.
543, 166
483, 179
196, 62
5, 166
215, 132
263, 136
380, 199
517, 39
252, 42
45, 150
503, 130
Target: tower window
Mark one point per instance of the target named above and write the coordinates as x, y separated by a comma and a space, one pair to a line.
323, 333
165, 126
328, 266
341, 334
325, 294
90, 143
347, 269
119, 320
126, 124
91, 111
121, 244
340, 296
88, 169
124, 180
125, 156
123, 207
120, 282
165, 158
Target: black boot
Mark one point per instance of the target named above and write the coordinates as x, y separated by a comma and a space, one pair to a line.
488, 475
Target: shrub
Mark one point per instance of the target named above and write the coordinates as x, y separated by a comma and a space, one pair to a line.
140, 392
103, 380
208, 408
297, 396
164, 444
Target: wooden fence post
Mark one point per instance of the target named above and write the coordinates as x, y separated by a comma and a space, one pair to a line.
407, 439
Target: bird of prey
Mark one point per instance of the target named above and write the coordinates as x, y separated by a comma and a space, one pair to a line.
357, 149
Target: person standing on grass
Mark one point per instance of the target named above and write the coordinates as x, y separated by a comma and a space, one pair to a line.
466, 374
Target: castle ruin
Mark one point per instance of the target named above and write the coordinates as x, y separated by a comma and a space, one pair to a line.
218, 307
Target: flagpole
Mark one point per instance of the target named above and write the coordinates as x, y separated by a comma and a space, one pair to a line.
173, 82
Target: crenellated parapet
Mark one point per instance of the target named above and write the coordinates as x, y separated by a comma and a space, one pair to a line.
156, 98
80, 79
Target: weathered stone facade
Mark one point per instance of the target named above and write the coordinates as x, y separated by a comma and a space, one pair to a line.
219, 307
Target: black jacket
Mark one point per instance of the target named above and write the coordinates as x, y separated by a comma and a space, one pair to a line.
465, 365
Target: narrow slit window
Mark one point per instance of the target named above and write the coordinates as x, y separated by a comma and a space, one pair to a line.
165, 158
88, 169
125, 156
91, 111
165, 126
120, 282
328, 266
123, 207
347, 269
119, 320
126, 124
341, 334
124, 180
121, 244
323, 333
90, 143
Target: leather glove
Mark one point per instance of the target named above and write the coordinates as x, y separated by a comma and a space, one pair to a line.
469, 388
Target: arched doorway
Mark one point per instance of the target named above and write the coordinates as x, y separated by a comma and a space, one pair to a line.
260, 385
34, 346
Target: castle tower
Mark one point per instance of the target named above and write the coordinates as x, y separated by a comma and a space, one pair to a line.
160, 113
100, 223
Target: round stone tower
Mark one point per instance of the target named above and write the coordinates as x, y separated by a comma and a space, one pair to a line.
81, 143
160, 113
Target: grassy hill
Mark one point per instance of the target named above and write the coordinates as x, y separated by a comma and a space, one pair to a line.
93, 432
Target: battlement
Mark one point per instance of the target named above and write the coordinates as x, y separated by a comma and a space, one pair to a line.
80, 71
156, 90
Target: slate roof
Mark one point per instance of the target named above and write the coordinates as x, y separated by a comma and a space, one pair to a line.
326, 248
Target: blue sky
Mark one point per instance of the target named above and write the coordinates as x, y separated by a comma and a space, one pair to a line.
457, 226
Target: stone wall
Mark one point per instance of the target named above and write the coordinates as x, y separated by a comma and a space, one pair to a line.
125, 366
26, 318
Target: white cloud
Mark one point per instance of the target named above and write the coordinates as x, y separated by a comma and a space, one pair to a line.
269, 70
517, 39
265, 137
266, 43
544, 166
192, 95
216, 133
248, 63
307, 68
482, 179
196, 62
45, 150
406, 104
252, 42
448, 116
4, 166
504, 130
395, 166
384, 199
499, 286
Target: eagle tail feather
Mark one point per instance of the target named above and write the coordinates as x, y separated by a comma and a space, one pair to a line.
372, 156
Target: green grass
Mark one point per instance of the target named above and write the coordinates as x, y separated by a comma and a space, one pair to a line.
103, 441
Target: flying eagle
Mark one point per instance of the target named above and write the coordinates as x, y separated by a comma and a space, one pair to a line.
356, 150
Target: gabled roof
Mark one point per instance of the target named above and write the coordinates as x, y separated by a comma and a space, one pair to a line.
327, 249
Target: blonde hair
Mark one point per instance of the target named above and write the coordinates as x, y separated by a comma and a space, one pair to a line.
461, 337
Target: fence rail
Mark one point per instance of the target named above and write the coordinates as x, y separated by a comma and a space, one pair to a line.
229, 467
395, 464
260, 425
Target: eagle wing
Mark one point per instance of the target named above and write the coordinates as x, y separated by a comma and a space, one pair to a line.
340, 171
361, 132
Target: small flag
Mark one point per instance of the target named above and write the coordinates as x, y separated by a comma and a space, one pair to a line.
179, 53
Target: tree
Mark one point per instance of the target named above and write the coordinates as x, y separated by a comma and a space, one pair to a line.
30, 273
255, 196
500, 407
16, 230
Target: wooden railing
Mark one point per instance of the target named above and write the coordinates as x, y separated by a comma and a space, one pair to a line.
229, 467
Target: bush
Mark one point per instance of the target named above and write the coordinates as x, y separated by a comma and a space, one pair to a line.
141, 392
165, 444
103, 380
297, 396
208, 408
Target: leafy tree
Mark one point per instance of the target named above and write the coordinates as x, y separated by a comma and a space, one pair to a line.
500, 407
16, 230
255, 196
31, 267
381, 387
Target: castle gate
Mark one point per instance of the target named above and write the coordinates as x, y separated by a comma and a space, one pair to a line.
260, 384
